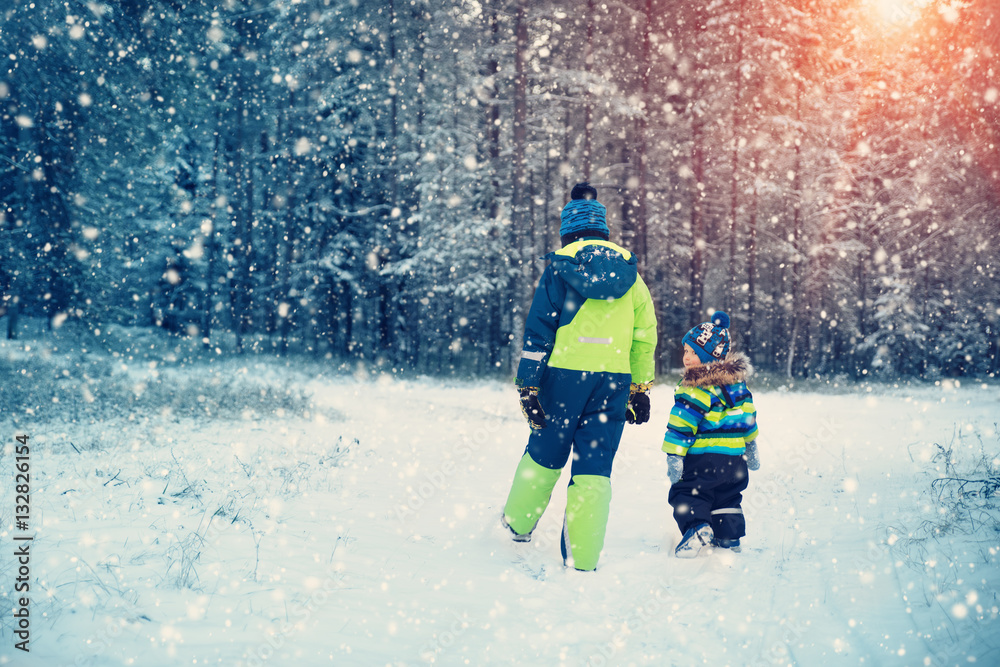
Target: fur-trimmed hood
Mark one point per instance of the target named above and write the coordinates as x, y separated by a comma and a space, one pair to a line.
734, 368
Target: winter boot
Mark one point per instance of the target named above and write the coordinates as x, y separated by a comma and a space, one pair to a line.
517, 537
723, 543
695, 539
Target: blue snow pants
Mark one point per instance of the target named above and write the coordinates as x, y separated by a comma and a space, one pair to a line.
711, 491
585, 417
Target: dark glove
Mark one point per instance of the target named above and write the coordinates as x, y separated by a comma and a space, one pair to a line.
753, 459
638, 404
675, 468
531, 408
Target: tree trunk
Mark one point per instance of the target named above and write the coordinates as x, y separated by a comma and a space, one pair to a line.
697, 221
386, 290
634, 197
498, 340
13, 311
551, 229
640, 194
750, 339
520, 129
588, 110
269, 238
734, 185
285, 253
797, 265
520, 279
211, 241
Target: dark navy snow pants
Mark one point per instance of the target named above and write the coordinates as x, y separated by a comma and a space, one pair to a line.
585, 413
710, 491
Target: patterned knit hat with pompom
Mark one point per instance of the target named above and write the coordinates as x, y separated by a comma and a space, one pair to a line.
710, 340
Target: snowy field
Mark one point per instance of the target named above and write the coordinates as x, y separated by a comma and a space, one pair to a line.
243, 513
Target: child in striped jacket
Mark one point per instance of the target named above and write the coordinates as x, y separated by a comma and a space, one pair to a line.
710, 441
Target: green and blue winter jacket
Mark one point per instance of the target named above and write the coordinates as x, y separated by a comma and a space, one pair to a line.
713, 410
591, 312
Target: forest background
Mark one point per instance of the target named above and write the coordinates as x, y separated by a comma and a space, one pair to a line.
374, 182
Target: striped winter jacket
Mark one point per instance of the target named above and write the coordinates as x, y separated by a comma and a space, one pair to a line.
713, 410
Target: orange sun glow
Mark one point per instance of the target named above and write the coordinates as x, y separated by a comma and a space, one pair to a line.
895, 13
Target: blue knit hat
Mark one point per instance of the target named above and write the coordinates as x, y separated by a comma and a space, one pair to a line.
710, 340
584, 212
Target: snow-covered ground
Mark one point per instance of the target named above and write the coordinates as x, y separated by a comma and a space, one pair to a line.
361, 529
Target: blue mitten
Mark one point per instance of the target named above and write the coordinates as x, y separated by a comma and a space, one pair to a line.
753, 460
675, 467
